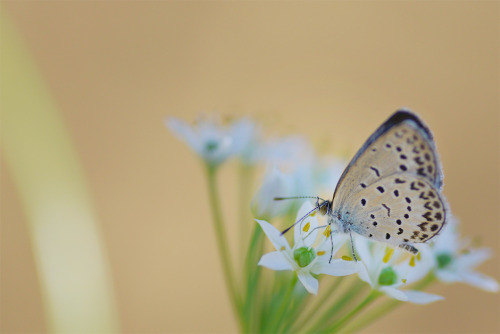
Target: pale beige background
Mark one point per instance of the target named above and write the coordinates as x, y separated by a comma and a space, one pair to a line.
330, 71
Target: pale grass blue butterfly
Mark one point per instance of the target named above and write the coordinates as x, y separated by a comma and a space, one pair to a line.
391, 190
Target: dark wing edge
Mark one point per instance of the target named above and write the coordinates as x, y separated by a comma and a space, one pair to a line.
397, 117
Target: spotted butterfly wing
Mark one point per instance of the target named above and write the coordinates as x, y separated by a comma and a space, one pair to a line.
390, 191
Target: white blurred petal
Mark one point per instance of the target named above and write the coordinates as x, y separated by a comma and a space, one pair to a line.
481, 281
184, 132
473, 258
275, 261
448, 276
276, 184
309, 282
418, 297
394, 293
364, 276
361, 245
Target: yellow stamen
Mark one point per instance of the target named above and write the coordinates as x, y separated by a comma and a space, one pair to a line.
321, 253
282, 248
418, 256
306, 227
313, 214
403, 280
388, 254
346, 258
327, 231
412, 261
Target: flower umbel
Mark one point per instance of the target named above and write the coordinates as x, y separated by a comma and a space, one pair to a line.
212, 140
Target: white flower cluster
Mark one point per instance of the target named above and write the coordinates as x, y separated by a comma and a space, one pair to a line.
293, 169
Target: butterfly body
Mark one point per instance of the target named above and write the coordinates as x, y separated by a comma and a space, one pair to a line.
391, 190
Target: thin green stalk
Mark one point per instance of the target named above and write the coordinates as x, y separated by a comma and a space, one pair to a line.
252, 276
375, 314
245, 186
284, 305
299, 302
319, 304
221, 238
342, 322
331, 312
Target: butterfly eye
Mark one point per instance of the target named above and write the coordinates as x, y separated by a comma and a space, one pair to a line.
323, 209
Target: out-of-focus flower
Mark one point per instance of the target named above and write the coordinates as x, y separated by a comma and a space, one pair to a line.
303, 258
275, 184
211, 140
456, 263
385, 271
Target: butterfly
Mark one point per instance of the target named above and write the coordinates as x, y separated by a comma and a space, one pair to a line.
391, 190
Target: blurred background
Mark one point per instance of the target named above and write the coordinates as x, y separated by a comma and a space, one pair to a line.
331, 71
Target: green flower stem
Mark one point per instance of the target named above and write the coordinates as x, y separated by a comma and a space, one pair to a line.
319, 304
299, 302
375, 314
252, 275
68, 248
374, 294
285, 302
331, 313
245, 185
221, 237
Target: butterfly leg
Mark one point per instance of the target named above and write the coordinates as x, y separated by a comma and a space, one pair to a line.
408, 248
331, 240
317, 227
352, 247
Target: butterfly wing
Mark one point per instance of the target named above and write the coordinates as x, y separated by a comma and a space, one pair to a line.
401, 148
398, 209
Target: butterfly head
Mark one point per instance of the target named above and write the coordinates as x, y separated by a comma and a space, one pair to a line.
323, 206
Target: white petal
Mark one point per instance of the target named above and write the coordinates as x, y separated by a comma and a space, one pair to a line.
394, 293
448, 276
312, 232
364, 276
339, 239
473, 258
279, 241
420, 270
275, 261
242, 132
418, 297
309, 282
361, 244
275, 184
336, 268
183, 131
479, 280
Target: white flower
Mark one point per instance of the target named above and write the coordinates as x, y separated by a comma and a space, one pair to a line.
385, 272
455, 265
211, 140
303, 258
310, 177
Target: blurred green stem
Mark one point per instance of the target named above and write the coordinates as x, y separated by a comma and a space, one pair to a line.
68, 250
221, 238
374, 294
384, 309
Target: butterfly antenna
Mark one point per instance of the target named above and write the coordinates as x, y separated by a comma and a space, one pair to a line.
301, 219
293, 197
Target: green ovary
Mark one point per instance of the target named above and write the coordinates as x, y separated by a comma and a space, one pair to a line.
443, 260
304, 256
387, 277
